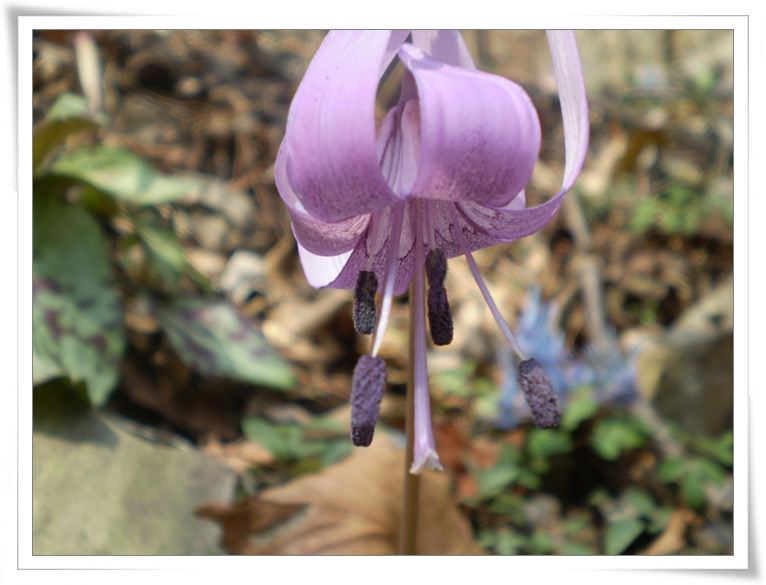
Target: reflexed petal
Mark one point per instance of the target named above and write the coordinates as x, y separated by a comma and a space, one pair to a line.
379, 250
574, 101
509, 223
329, 148
480, 134
447, 46
318, 237
321, 271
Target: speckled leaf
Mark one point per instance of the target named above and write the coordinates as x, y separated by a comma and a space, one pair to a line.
212, 337
68, 114
77, 319
122, 174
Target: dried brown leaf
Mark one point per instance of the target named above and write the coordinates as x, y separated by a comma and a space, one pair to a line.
353, 507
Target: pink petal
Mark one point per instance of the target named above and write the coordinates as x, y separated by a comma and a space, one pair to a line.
318, 237
508, 223
447, 46
329, 148
480, 134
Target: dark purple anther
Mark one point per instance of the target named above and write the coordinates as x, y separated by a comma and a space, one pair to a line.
538, 390
364, 302
367, 389
439, 314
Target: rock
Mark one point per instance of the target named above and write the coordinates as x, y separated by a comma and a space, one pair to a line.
688, 372
99, 490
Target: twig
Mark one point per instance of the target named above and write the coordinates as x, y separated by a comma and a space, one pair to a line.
588, 272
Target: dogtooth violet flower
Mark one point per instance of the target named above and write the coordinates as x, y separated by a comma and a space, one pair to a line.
442, 175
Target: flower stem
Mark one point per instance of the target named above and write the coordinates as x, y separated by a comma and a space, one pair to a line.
408, 537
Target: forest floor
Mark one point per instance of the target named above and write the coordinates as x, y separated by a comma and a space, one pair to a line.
636, 266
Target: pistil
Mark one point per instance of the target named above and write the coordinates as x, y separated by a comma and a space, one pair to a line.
425, 456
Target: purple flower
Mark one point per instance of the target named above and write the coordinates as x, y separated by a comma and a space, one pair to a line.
442, 175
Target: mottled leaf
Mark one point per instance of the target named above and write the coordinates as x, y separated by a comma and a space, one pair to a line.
68, 114
77, 319
212, 337
123, 174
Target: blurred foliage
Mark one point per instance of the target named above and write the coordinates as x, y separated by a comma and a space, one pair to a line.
82, 189
680, 210
307, 447
603, 440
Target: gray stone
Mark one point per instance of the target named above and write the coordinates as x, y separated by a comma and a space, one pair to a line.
99, 490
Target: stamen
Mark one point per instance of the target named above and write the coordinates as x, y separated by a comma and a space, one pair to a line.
483, 287
538, 390
367, 387
439, 314
364, 302
390, 277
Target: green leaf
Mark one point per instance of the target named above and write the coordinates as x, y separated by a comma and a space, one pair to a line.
693, 491
611, 437
671, 469
212, 337
123, 174
620, 534
165, 251
578, 411
720, 448
291, 441
640, 501
509, 542
77, 319
504, 472
543, 444
68, 114
708, 470
576, 549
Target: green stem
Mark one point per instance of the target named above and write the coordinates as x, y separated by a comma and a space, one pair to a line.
408, 538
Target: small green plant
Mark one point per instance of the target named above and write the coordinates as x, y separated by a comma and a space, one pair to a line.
680, 210
607, 438
80, 187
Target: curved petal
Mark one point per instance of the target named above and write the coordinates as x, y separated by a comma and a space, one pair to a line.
574, 101
321, 271
447, 46
509, 223
479, 133
329, 148
316, 236
377, 244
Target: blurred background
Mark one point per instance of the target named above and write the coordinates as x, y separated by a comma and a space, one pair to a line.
191, 390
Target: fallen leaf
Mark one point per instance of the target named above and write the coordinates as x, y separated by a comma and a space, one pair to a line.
672, 539
240, 521
240, 455
353, 507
